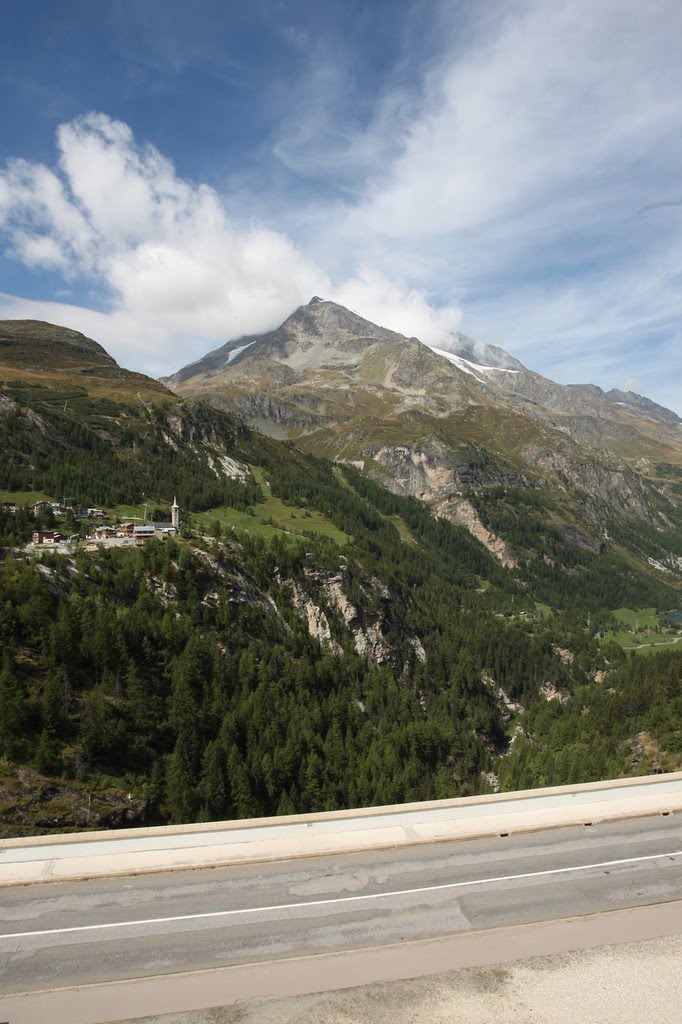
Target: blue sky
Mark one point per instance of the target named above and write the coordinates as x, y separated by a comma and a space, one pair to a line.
173, 175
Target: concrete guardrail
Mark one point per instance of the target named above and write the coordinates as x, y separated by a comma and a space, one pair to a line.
175, 847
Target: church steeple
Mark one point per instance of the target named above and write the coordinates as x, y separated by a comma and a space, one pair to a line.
175, 514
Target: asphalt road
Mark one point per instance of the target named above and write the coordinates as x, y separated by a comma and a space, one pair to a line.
64, 934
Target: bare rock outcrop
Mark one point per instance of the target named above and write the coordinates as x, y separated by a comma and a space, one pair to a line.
461, 512
317, 621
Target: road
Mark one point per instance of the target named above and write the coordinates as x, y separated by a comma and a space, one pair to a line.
73, 933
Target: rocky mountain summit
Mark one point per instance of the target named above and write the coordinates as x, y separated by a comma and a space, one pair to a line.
435, 423
324, 366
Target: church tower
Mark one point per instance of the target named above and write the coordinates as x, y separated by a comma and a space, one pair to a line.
175, 514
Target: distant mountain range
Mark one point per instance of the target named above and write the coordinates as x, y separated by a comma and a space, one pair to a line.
434, 422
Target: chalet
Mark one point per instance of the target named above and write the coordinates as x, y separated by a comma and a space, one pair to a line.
9, 506
103, 533
125, 529
47, 537
143, 533
96, 513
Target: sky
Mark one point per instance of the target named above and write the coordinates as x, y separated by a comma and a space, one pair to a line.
176, 175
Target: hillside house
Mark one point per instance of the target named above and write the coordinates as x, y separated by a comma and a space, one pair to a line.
103, 533
165, 529
47, 537
145, 532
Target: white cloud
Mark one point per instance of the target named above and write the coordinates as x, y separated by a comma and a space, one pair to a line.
180, 277
39, 251
391, 304
35, 205
519, 181
555, 98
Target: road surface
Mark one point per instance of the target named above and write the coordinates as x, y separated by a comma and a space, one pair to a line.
88, 932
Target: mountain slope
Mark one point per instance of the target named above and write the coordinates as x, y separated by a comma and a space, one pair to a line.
76, 425
32, 351
32, 343
298, 376
327, 368
482, 359
437, 424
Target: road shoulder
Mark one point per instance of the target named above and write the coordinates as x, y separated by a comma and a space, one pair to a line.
627, 958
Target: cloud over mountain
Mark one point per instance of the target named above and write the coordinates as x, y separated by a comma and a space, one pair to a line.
175, 268
116, 212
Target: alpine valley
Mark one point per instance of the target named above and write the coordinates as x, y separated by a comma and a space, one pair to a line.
402, 573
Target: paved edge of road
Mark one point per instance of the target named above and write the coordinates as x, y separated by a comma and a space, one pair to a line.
77, 856
46, 872
226, 986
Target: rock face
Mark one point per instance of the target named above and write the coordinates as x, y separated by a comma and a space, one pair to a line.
438, 423
366, 630
324, 598
462, 513
317, 621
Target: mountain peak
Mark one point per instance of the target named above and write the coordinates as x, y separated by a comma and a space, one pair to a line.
482, 354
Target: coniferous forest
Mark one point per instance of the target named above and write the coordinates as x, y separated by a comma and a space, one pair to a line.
182, 671
236, 673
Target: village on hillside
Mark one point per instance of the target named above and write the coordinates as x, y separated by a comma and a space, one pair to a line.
128, 533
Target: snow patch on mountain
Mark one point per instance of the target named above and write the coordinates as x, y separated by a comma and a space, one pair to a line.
238, 351
473, 369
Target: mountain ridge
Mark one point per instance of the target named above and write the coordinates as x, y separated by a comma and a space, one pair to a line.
435, 423
21, 341
478, 353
